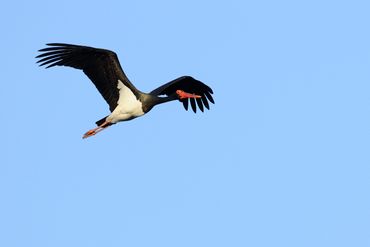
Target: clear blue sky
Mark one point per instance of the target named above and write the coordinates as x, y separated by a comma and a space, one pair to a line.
282, 158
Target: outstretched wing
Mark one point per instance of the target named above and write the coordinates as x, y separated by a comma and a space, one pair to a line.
100, 65
189, 85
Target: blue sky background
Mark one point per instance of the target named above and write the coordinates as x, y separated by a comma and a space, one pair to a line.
282, 159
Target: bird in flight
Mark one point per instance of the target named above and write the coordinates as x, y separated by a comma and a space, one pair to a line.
125, 101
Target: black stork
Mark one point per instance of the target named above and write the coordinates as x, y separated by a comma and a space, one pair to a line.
125, 101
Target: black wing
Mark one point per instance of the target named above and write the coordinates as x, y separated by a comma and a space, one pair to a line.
100, 65
189, 85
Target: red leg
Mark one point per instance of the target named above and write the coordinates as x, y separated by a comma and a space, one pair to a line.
96, 130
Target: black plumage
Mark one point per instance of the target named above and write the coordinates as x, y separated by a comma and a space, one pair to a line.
104, 70
190, 85
100, 65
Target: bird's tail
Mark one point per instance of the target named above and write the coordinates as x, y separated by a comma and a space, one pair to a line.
101, 121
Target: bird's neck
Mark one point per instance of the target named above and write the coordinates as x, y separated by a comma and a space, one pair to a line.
160, 100
153, 100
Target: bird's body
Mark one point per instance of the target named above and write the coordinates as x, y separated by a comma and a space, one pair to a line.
128, 106
125, 101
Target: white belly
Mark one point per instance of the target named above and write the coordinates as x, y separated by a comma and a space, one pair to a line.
128, 107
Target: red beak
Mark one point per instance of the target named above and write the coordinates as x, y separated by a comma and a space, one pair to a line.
185, 95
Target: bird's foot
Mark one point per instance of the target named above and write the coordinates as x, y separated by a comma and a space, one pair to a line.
185, 95
96, 130
91, 132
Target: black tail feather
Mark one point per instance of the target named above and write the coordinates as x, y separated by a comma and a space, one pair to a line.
101, 121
